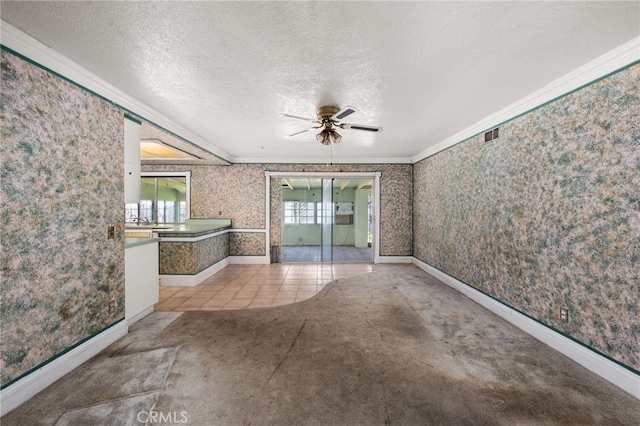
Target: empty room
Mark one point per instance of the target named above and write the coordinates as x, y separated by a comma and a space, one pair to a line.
320, 213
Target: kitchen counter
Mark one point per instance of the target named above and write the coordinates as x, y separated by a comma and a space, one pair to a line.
191, 230
191, 252
188, 253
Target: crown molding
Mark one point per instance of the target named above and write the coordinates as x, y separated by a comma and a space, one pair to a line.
597, 69
303, 160
44, 56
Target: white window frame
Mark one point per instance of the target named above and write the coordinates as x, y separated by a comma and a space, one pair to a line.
185, 174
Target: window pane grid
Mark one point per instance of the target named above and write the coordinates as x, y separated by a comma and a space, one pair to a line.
301, 212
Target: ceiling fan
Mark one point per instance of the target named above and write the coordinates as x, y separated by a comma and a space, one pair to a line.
328, 118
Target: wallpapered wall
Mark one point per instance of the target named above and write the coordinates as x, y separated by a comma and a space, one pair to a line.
179, 258
238, 192
547, 215
62, 186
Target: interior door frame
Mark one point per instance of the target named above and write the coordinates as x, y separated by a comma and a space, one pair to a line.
375, 190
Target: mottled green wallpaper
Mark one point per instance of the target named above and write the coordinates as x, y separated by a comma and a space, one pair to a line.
62, 185
238, 192
547, 215
182, 258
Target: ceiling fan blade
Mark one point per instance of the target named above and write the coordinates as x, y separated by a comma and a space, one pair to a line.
300, 132
374, 129
313, 120
344, 112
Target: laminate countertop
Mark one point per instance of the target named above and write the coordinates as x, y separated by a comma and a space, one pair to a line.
190, 230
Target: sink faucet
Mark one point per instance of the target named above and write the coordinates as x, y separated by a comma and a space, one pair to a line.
137, 220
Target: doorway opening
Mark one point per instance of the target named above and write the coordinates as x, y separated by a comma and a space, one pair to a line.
327, 219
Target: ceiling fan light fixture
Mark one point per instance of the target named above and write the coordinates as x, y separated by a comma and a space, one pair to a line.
328, 136
329, 117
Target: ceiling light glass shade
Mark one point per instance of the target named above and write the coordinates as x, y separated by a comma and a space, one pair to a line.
328, 136
323, 137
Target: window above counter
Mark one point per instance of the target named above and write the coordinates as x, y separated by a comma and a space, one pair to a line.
164, 199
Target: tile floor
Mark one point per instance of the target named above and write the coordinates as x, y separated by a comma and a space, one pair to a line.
257, 286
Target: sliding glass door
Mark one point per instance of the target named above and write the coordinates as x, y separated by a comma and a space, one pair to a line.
327, 220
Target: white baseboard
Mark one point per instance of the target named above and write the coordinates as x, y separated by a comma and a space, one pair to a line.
25, 388
139, 316
265, 260
394, 259
249, 260
592, 361
193, 280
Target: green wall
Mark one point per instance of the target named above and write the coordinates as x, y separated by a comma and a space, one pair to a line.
547, 215
62, 172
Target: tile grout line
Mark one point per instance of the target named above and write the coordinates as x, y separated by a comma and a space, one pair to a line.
298, 279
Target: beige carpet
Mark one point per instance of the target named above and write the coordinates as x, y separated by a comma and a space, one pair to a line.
394, 346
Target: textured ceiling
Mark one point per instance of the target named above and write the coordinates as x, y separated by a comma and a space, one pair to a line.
423, 71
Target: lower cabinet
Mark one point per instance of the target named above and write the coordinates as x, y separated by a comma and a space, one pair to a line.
142, 289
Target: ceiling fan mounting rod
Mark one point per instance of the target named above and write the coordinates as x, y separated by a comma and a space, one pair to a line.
326, 112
